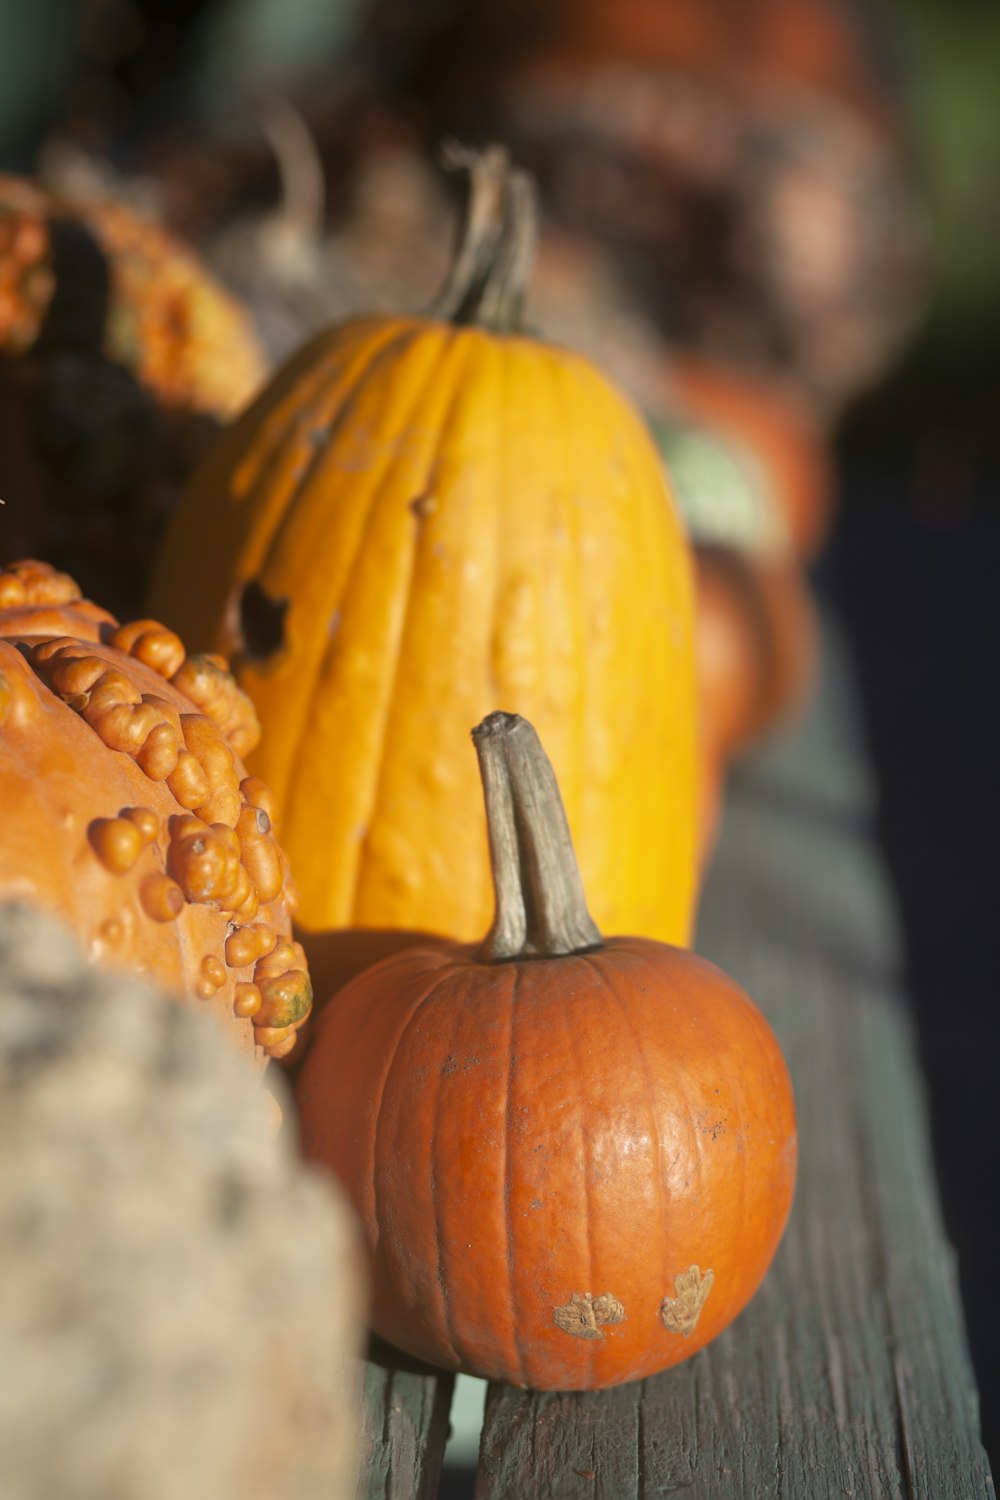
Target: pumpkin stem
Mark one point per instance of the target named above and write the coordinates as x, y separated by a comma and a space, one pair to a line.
496, 245
541, 910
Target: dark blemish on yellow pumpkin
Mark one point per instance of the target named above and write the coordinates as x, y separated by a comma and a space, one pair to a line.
262, 621
680, 1313
450, 1065
424, 506
584, 1316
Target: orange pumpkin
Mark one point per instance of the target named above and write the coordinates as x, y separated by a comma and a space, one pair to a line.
757, 646
751, 478
757, 651
573, 1157
128, 813
421, 516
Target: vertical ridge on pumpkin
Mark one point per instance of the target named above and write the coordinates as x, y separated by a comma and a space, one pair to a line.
513, 1352
325, 526
318, 398
584, 797
673, 820
440, 665
674, 817
570, 660
586, 1159
332, 582
406, 1248
605, 979
368, 1123
455, 353
321, 412
329, 550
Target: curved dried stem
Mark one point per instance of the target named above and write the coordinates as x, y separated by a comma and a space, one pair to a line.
541, 910
488, 279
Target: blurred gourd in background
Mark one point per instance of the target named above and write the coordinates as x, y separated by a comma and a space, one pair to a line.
120, 355
743, 159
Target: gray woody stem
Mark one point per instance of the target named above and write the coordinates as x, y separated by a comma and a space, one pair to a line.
496, 248
541, 910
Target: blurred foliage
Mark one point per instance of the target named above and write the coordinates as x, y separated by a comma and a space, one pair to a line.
112, 74
950, 56
271, 44
37, 54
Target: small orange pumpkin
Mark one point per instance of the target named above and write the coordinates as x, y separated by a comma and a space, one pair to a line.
573, 1157
128, 813
421, 515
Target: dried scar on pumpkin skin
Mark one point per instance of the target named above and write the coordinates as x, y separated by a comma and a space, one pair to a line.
584, 1315
680, 1313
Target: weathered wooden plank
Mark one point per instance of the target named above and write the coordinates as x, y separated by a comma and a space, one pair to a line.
848, 1374
404, 1427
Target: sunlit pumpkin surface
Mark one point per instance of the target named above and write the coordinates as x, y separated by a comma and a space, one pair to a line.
571, 1172
434, 522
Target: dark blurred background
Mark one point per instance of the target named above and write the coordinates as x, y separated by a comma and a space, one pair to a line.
806, 192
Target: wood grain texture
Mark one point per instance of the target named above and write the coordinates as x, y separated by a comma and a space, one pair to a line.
848, 1374
404, 1428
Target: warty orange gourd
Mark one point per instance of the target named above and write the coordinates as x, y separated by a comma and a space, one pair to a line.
128, 813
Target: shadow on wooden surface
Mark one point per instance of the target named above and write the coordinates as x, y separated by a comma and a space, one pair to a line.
917, 592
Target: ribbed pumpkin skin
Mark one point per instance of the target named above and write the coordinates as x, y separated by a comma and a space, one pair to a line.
523, 1134
458, 521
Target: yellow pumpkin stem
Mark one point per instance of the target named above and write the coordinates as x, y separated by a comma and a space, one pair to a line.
488, 279
541, 910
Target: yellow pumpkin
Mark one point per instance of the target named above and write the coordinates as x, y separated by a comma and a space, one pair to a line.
419, 520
